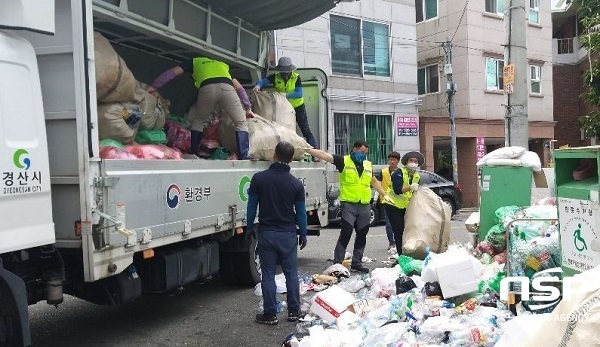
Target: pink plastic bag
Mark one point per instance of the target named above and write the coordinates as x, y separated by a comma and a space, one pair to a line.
110, 152
153, 151
178, 136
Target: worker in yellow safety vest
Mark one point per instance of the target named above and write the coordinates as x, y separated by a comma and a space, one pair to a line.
356, 179
405, 181
386, 182
286, 80
216, 87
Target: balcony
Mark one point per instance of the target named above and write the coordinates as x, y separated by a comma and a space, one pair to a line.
567, 51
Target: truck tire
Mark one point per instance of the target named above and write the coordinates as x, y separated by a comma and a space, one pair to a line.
11, 331
248, 265
239, 262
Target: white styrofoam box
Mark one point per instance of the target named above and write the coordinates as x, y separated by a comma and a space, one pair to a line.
456, 274
331, 303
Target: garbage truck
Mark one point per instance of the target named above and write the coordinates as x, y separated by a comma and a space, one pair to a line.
108, 231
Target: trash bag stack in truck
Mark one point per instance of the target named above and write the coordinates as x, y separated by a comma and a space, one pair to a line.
136, 118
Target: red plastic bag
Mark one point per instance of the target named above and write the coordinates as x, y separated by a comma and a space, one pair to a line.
110, 152
178, 136
210, 135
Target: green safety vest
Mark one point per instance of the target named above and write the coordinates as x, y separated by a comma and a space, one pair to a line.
206, 68
402, 200
355, 188
288, 87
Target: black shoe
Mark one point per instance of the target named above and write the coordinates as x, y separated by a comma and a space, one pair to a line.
359, 268
293, 315
266, 319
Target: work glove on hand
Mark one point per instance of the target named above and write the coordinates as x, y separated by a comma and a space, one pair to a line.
302, 242
256, 89
414, 187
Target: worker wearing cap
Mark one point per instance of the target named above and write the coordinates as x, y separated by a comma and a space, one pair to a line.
386, 182
287, 81
405, 181
215, 87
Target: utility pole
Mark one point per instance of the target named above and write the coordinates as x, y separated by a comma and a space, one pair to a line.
451, 90
516, 122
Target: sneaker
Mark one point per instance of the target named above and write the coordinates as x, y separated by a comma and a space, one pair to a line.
391, 246
266, 319
294, 315
359, 268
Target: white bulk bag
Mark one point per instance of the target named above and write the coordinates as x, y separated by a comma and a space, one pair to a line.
426, 224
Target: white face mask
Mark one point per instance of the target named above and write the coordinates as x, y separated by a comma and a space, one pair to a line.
412, 166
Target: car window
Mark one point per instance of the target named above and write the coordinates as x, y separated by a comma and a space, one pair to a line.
425, 177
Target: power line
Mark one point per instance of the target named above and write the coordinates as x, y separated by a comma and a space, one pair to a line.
460, 21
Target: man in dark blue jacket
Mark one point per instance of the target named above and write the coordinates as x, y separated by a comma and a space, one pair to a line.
282, 206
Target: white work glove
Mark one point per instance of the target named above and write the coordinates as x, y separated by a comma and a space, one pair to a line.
388, 200
414, 187
256, 89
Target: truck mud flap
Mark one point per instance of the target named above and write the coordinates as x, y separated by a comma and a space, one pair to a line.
14, 314
173, 267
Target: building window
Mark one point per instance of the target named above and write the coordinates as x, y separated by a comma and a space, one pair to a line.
359, 47
493, 73
534, 11
494, 6
376, 130
428, 80
535, 79
426, 9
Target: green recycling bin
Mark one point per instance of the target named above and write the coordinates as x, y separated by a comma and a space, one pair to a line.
577, 188
502, 186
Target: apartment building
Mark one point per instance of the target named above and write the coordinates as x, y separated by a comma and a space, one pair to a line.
478, 36
368, 51
570, 62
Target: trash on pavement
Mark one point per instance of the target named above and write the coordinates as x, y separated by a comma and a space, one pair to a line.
331, 303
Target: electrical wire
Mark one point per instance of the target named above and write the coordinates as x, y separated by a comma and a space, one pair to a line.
460, 20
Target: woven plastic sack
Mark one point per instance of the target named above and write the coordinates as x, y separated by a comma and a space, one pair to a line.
574, 322
118, 121
114, 80
154, 109
264, 136
110, 152
274, 106
153, 151
426, 224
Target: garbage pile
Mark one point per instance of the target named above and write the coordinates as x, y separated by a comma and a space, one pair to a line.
434, 301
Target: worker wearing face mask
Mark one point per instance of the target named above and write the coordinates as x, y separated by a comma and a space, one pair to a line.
287, 81
405, 181
356, 179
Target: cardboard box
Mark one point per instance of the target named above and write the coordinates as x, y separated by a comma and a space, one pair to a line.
331, 303
456, 273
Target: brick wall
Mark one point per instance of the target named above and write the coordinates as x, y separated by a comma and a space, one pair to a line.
567, 105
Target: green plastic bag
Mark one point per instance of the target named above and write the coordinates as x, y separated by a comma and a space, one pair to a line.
151, 137
179, 120
111, 143
506, 213
220, 153
408, 264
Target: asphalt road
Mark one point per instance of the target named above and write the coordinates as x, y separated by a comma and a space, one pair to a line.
202, 314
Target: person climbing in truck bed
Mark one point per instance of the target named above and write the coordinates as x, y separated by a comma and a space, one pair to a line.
216, 87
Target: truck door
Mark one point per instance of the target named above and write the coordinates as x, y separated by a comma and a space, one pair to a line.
25, 202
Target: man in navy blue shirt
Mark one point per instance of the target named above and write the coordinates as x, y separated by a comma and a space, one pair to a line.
282, 206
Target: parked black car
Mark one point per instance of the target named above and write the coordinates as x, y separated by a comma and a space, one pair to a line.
450, 193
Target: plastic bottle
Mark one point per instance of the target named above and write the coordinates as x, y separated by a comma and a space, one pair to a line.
281, 306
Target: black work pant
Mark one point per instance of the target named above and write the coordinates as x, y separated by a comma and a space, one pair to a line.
302, 121
396, 217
